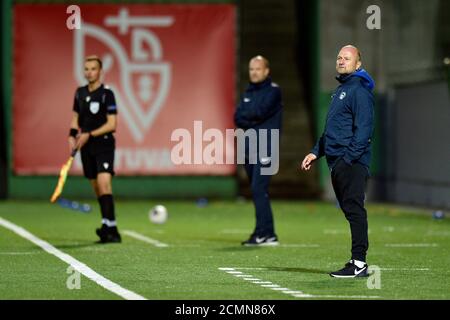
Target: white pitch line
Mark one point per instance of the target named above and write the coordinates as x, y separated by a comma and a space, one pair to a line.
411, 245
293, 293
245, 268
18, 253
77, 265
345, 297
270, 285
302, 295
143, 238
405, 269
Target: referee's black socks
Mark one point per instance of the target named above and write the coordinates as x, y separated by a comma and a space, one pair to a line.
106, 202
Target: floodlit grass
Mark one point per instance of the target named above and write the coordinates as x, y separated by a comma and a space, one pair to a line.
314, 240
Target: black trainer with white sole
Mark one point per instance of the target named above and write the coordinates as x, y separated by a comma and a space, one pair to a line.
255, 240
108, 234
351, 270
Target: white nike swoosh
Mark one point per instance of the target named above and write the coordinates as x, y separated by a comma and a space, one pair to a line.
358, 272
246, 100
259, 240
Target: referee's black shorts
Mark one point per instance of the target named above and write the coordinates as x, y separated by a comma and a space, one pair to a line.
97, 156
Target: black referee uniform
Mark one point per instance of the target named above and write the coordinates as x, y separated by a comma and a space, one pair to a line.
97, 155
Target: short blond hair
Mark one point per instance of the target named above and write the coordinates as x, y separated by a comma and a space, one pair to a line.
94, 58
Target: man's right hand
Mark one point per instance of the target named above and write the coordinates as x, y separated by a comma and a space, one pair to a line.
308, 161
72, 144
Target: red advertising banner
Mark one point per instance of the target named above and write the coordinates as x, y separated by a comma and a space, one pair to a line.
168, 66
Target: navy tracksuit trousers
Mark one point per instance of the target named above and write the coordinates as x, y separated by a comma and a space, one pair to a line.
260, 192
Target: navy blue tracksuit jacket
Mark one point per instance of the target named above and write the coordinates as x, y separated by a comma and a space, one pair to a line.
260, 107
350, 121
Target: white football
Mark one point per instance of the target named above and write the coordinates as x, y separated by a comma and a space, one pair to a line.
158, 214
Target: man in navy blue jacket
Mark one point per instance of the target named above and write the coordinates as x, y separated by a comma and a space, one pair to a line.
260, 109
346, 144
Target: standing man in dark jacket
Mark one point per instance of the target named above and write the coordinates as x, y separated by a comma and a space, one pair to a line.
260, 109
346, 144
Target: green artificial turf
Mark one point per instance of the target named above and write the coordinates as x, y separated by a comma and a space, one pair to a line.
314, 240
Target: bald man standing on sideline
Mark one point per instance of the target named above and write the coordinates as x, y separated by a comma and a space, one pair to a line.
260, 109
345, 143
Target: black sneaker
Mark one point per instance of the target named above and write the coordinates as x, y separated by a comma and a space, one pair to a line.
101, 231
108, 235
351, 271
255, 240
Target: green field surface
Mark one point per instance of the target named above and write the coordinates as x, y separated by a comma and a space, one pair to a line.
204, 260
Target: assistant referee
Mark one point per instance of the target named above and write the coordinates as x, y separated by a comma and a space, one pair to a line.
91, 131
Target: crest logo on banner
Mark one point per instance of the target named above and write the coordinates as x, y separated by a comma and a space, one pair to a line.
144, 77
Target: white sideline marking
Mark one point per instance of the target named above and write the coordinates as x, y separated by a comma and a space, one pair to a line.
18, 253
345, 297
302, 295
77, 265
411, 245
247, 268
141, 237
270, 285
293, 293
405, 269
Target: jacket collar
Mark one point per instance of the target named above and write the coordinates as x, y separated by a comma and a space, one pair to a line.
259, 85
360, 74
